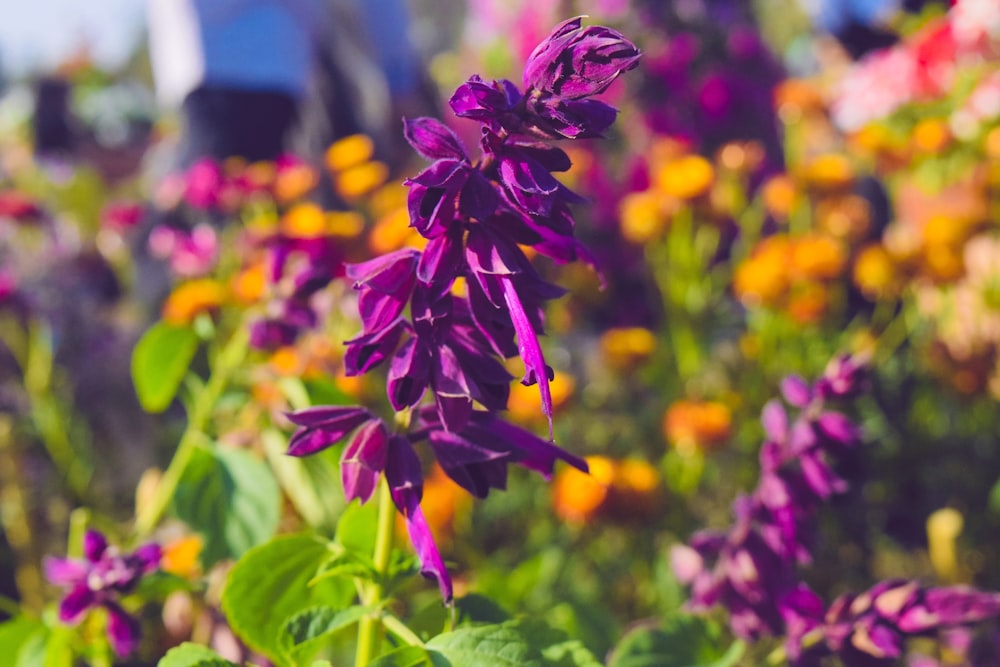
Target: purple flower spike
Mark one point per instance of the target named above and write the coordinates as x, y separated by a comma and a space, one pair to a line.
99, 580
363, 461
431, 564
323, 426
574, 62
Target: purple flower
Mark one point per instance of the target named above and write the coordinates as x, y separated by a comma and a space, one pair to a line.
99, 580
575, 62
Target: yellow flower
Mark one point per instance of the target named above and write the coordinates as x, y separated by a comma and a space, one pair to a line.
817, 257
525, 403
643, 216
696, 425
874, 272
346, 224
286, 362
192, 298
627, 347
931, 135
359, 180
304, 221
846, 217
248, 286
577, 496
391, 232
808, 302
943, 528
779, 195
763, 278
294, 182
686, 177
180, 557
831, 171
349, 152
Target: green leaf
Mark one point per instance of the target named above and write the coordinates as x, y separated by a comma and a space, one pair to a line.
269, 584
476, 608
193, 655
487, 646
24, 638
318, 623
346, 564
685, 642
312, 483
411, 656
556, 647
229, 497
357, 526
159, 363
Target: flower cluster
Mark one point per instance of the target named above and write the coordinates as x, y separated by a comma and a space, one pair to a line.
749, 569
99, 579
475, 217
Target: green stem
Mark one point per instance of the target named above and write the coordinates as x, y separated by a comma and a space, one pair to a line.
15, 520
400, 630
369, 629
202, 405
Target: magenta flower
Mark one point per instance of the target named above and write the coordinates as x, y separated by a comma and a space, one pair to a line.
99, 580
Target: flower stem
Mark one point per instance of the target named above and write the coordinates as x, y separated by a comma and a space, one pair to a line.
229, 359
370, 627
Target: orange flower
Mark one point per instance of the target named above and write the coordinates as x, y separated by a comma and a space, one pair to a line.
874, 272
686, 177
643, 216
831, 171
304, 221
192, 298
359, 180
626, 348
845, 217
635, 490
696, 425
779, 195
525, 403
294, 182
931, 135
808, 302
349, 152
346, 224
763, 278
248, 286
391, 232
443, 501
794, 97
577, 496
180, 557
817, 257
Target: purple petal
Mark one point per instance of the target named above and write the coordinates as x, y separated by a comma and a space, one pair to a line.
368, 351
431, 564
838, 428
147, 557
478, 199
531, 351
820, 477
64, 572
527, 448
796, 391
363, 461
94, 545
487, 252
409, 375
404, 475
482, 101
328, 425
123, 630
573, 119
76, 603
775, 422
441, 262
433, 139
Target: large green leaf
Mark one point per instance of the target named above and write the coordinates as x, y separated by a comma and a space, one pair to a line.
19, 639
159, 362
685, 642
318, 623
312, 483
487, 646
411, 656
229, 497
192, 655
269, 585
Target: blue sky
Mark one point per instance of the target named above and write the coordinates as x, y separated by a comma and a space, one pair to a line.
35, 35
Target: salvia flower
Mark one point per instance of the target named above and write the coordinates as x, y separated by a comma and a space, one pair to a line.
445, 347
750, 569
99, 579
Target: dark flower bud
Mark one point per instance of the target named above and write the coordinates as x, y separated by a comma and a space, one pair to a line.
575, 62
